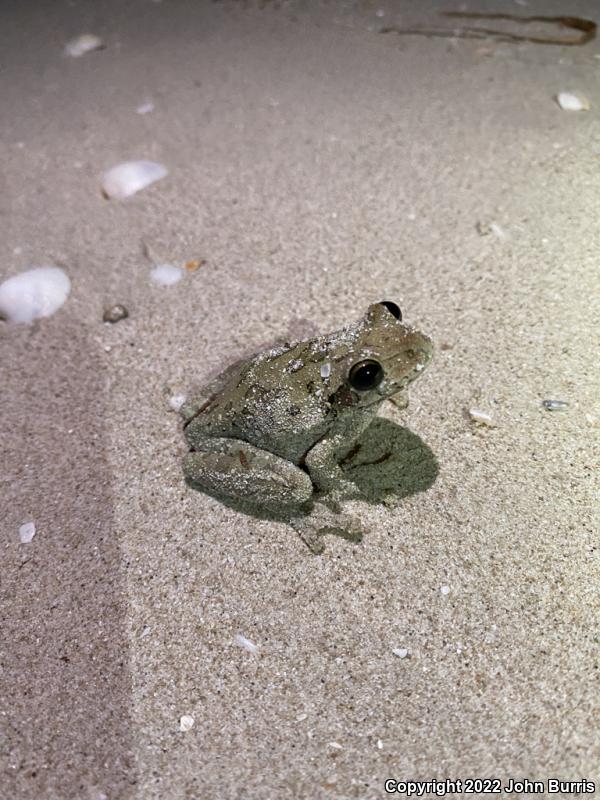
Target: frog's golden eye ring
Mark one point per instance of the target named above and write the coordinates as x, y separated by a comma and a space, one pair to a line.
366, 375
392, 308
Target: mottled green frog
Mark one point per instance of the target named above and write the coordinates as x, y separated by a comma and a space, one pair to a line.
273, 429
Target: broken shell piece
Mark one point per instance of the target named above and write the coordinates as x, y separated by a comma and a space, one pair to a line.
401, 652
176, 401
555, 405
83, 44
192, 266
32, 294
130, 177
325, 370
480, 416
26, 532
571, 101
115, 313
186, 723
166, 274
241, 641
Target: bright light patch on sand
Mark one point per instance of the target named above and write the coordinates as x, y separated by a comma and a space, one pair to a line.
32, 294
145, 108
26, 532
166, 274
130, 177
241, 641
83, 44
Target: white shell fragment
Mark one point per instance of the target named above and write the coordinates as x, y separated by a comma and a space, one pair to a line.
186, 723
130, 177
26, 532
166, 274
569, 101
401, 652
481, 417
241, 641
176, 401
325, 370
555, 405
145, 108
445, 589
83, 44
32, 294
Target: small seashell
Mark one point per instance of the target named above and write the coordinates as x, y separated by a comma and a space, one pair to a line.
166, 274
401, 652
32, 294
186, 723
115, 313
130, 177
480, 416
241, 641
192, 266
555, 405
145, 108
83, 44
570, 101
176, 401
26, 532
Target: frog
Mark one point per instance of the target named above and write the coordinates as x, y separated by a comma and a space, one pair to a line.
272, 431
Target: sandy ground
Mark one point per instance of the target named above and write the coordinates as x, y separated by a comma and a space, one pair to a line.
317, 166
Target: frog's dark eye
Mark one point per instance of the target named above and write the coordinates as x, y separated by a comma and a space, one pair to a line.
392, 308
365, 375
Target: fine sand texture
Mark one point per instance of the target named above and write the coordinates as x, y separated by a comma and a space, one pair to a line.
316, 166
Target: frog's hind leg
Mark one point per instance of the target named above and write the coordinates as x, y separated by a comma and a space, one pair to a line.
237, 470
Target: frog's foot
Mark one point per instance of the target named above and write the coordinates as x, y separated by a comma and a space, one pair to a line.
239, 471
312, 527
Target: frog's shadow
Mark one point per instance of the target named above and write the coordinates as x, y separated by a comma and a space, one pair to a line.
388, 462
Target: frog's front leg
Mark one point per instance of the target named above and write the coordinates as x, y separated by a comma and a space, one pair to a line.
240, 471
323, 460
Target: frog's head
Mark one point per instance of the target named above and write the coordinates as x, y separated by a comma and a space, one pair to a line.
385, 356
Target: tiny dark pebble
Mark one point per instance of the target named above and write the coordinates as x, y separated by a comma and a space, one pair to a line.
115, 313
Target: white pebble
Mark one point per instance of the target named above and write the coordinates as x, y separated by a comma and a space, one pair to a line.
176, 401
379, 744
301, 717
555, 405
241, 641
166, 274
145, 108
480, 416
130, 177
26, 532
83, 44
445, 589
335, 745
186, 723
401, 652
570, 101
32, 294
325, 370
